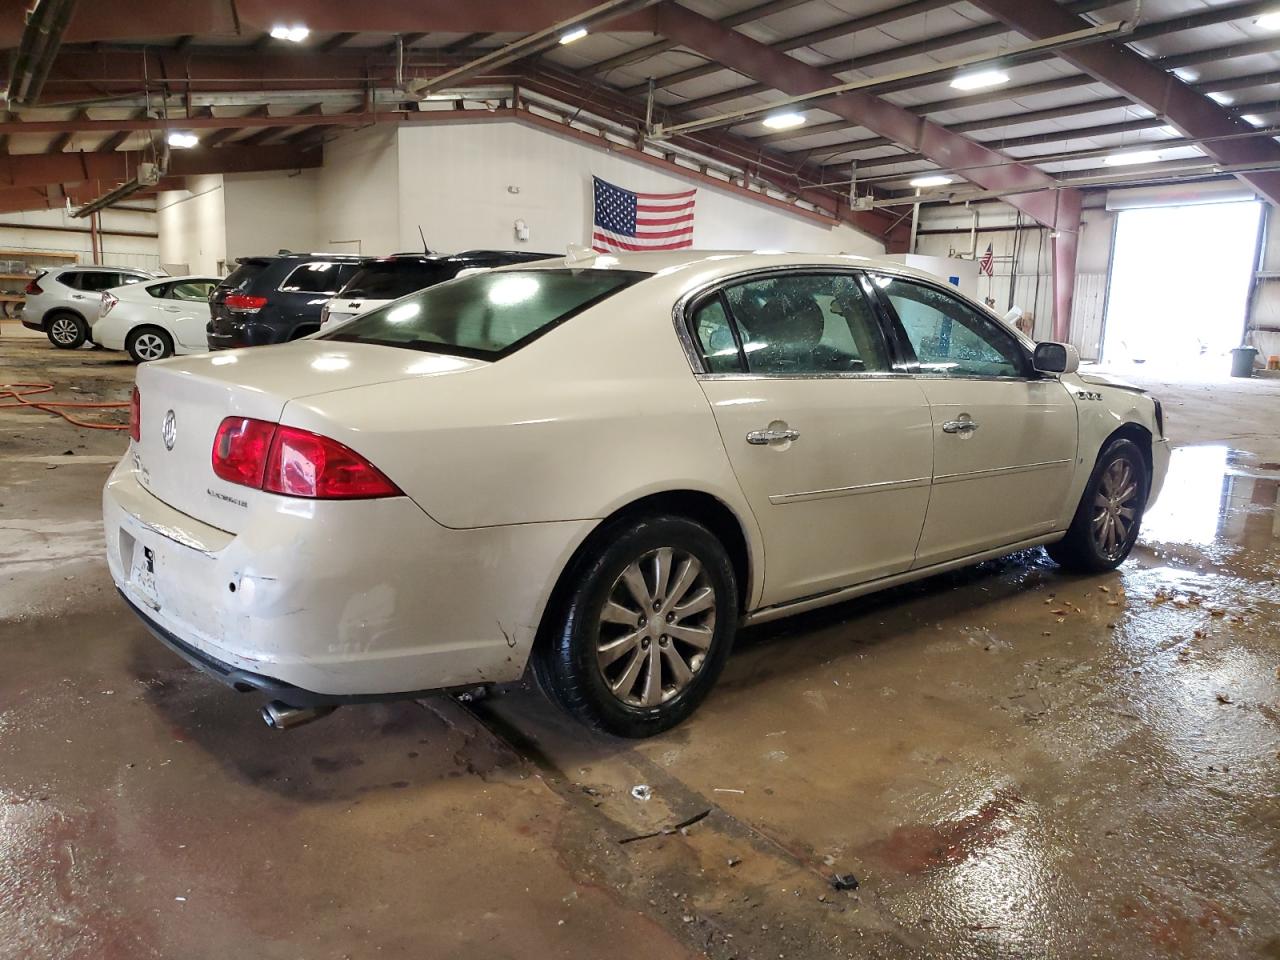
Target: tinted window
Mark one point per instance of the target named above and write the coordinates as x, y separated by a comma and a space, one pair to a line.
97, 280
715, 338
70, 279
485, 315
949, 337
318, 276
392, 279
804, 324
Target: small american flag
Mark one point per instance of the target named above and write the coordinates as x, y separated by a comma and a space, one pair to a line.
987, 261
625, 220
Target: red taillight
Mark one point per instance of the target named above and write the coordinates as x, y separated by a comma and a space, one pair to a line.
135, 415
244, 303
295, 463
240, 449
34, 287
108, 301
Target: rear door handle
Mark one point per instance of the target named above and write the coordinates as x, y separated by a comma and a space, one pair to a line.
960, 426
760, 437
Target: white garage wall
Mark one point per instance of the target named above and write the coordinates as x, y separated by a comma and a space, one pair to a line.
357, 195
192, 225
23, 231
266, 212
456, 180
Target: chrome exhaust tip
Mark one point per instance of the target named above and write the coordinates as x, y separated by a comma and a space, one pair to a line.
280, 716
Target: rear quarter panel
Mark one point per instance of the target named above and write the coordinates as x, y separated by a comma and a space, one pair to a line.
597, 413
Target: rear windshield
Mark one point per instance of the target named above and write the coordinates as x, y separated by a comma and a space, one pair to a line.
485, 315
391, 280
245, 274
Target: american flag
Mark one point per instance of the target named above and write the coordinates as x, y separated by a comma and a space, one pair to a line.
987, 261
625, 220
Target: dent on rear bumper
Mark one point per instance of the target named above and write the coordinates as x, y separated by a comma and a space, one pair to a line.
361, 598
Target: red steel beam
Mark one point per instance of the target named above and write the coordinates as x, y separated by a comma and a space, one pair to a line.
123, 20
1193, 114
1058, 209
117, 166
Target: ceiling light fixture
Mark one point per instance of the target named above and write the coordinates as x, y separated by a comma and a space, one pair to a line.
1187, 75
577, 33
1222, 98
294, 34
1133, 156
932, 180
1269, 21
182, 140
784, 121
1253, 119
980, 79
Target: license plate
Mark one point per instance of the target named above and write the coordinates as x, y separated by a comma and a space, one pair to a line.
142, 575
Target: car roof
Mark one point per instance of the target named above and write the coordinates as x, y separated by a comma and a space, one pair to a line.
114, 269
273, 257
466, 256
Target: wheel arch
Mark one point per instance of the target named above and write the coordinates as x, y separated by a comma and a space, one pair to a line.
54, 312
140, 328
705, 508
1140, 435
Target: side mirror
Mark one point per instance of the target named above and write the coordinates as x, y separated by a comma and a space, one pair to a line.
1055, 358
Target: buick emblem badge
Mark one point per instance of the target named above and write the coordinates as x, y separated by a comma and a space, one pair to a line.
169, 430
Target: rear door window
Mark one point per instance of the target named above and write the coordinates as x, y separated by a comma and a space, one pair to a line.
98, 280
318, 276
190, 290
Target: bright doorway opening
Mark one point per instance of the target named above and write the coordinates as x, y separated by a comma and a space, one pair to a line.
1179, 284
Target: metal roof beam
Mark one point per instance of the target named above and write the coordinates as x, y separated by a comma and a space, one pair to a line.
1192, 113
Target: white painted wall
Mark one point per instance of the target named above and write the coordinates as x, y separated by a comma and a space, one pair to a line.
358, 194
266, 212
455, 181
192, 225
20, 231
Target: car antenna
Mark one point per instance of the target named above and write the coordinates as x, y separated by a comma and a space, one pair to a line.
425, 248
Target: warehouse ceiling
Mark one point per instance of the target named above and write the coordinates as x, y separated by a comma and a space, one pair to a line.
1192, 82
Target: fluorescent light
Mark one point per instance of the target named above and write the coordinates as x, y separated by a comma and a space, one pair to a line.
182, 140
1253, 119
784, 121
1222, 98
294, 34
1133, 156
1269, 21
932, 180
980, 79
577, 33
1187, 75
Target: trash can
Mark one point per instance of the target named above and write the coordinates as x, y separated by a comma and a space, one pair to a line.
1242, 361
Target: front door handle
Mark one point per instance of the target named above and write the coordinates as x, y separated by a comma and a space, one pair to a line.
773, 435
963, 426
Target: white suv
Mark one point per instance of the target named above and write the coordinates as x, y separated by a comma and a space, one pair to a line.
62, 303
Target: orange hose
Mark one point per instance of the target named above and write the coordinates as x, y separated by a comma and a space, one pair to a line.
50, 406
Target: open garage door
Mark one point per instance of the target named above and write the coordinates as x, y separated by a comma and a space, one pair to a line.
1179, 284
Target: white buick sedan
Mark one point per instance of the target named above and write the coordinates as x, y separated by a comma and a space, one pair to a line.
602, 466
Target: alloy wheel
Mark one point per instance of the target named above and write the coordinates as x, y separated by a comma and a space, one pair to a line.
1115, 508
656, 627
64, 330
148, 346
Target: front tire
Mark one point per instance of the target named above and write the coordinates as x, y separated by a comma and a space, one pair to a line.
66, 331
1109, 516
644, 628
148, 343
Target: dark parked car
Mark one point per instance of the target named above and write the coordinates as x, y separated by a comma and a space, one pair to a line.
275, 298
385, 279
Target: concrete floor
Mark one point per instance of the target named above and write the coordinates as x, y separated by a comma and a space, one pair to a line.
1012, 762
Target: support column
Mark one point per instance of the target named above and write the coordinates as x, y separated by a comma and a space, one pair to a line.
1065, 242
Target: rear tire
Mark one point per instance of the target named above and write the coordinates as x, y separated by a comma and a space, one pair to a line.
66, 331
643, 629
1109, 515
148, 343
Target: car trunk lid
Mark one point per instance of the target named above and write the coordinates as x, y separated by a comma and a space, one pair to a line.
184, 400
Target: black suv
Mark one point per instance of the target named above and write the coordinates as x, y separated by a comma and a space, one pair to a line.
276, 298
384, 279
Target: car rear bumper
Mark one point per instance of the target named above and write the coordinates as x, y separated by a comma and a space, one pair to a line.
33, 324
323, 602
229, 334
